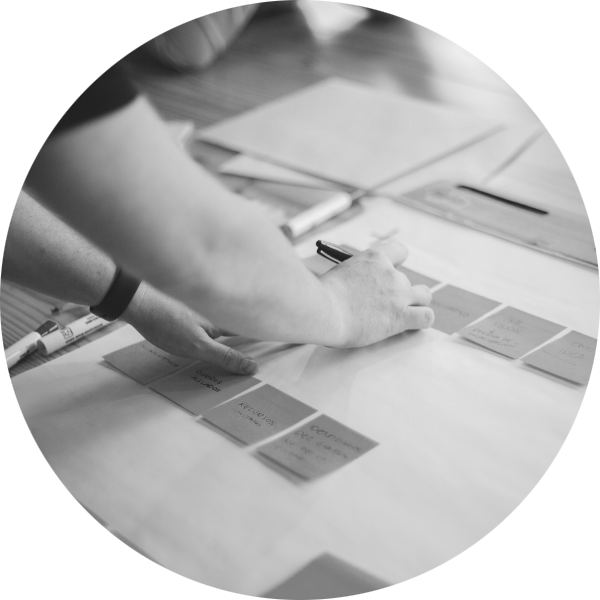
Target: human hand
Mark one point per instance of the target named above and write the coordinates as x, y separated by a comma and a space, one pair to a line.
175, 328
373, 299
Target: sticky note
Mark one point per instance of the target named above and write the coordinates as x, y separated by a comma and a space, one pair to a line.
144, 362
511, 332
38, 527
20, 479
201, 386
570, 356
317, 447
4, 445
455, 308
417, 278
259, 414
327, 576
98, 569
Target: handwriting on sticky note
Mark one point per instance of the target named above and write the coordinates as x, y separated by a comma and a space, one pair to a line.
317, 447
511, 332
4, 445
455, 308
570, 356
330, 578
100, 568
38, 527
417, 278
201, 386
144, 362
259, 414
20, 479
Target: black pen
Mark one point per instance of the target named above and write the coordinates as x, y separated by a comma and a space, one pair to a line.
332, 252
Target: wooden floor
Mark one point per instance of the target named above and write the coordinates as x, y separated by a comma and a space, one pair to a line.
286, 47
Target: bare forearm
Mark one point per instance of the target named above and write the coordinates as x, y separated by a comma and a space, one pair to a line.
126, 186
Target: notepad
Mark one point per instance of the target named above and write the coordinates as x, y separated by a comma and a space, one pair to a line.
20, 479
570, 356
511, 332
259, 414
202, 386
4, 445
39, 527
144, 362
317, 447
349, 133
326, 576
455, 308
98, 569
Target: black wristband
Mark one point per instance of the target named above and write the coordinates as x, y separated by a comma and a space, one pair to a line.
118, 297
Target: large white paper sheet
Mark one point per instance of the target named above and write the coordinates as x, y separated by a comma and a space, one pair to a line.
350, 134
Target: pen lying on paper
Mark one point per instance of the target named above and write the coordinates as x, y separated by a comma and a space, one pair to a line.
332, 252
26, 345
69, 334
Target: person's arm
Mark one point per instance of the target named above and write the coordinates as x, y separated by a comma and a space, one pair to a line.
123, 183
44, 254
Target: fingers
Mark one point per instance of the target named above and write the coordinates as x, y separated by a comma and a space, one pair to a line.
228, 358
418, 317
396, 251
421, 295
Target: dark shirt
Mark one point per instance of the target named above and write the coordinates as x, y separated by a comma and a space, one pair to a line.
59, 67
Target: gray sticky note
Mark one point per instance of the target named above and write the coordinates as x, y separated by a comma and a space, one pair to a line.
455, 308
570, 356
326, 577
318, 264
259, 414
20, 479
145, 362
317, 447
98, 569
38, 527
511, 332
4, 445
201, 386
417, 278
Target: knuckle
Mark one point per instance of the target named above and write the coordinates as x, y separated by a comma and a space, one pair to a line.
230, 358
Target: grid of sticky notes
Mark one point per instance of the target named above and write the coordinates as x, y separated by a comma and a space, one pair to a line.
64, 547
246, 409
330, 578
509, 332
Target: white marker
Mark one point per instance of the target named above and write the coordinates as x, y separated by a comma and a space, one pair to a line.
69, 334
321, 212
28, 344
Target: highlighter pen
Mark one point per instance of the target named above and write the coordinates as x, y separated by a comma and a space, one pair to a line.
321, 212
69, 334
26, 345
332, 252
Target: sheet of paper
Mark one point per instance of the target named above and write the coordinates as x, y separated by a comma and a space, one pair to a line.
326, 577
570, 356
254, 168
511, 332
258, 414
144, 362
39, 527
416, 278
473, 164
455, 308
20, 479
202, 386
4, 445
317, 447
350, 134
98, 569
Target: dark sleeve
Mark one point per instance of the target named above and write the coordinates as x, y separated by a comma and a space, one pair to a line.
59, 67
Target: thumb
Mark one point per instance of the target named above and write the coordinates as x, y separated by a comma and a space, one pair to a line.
229, 359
